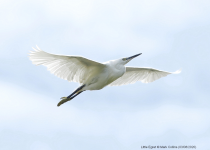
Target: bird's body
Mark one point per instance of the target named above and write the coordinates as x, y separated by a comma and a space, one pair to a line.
93, 75
105, 76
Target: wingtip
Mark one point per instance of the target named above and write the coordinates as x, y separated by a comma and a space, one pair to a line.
178, 71
38, 47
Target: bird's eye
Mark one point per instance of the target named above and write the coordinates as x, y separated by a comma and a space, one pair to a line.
124, 59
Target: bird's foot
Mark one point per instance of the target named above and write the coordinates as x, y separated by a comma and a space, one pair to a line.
63, 100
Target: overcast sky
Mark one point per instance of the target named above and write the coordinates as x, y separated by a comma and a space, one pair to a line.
170, 35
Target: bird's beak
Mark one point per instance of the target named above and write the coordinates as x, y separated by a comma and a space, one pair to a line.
129, 58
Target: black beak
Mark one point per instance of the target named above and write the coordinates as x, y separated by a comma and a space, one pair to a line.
129, 58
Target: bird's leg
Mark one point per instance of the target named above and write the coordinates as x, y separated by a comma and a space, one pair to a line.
66, 99
70, 97
76, 95
76, 91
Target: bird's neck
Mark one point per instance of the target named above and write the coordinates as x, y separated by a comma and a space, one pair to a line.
119, 67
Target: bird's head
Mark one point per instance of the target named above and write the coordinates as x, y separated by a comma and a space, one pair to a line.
127, 59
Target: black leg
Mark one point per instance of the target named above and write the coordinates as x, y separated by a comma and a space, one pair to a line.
75, 95
79, 88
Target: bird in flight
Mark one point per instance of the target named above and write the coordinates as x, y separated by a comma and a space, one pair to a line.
93, 75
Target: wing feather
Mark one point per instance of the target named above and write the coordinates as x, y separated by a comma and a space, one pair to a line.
145, 75
71, 68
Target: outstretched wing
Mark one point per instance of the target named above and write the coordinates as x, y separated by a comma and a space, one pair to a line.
71, 68
145, 75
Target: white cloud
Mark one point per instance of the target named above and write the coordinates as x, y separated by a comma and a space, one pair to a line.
37, 145
36, 114
104, 23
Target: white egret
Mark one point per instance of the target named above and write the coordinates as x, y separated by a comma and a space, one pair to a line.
93, 75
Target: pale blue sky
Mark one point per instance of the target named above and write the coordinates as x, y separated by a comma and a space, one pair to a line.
171, 35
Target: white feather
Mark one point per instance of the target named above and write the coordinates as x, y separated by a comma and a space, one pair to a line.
71, 68
145, 75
